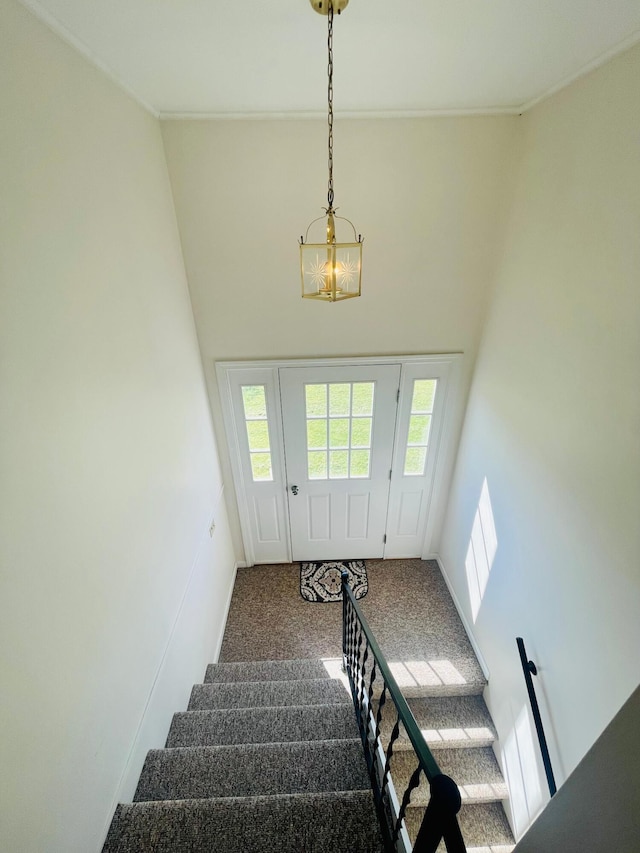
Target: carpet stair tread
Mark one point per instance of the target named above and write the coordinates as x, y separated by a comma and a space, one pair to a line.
267, 670
413, 689
342, 822
475, 771
456, 675
484, 826
252, 770
495, 848
254, 694
445, 722
262, 725
424, 691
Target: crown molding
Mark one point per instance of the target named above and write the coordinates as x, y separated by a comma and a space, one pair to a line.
60, 29
342, 114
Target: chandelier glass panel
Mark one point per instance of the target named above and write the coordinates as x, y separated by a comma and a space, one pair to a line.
331, 270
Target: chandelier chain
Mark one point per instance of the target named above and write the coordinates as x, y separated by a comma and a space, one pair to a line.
330, 100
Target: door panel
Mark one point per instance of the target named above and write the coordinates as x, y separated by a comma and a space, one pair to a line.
408, 522
266, 511
339, 425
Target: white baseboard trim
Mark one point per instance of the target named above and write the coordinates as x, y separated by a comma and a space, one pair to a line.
216, 654
463, 619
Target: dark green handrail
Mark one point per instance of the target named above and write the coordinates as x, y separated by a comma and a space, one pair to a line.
440, 820
423, 752
529, 668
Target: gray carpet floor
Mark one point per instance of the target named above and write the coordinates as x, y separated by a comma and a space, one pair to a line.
408, 607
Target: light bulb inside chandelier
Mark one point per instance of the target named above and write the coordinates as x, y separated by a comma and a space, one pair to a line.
331, 270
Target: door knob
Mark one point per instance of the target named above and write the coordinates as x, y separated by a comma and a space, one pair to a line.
294, 490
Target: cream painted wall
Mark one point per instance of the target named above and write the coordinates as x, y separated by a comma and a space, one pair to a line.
552, 435
429, 197
113, 593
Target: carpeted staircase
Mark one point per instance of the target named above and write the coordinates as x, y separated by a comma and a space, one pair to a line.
266, 758
460, 733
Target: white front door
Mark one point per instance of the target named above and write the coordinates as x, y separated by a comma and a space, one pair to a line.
366, 466
339, 425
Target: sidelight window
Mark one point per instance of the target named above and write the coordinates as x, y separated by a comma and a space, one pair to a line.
415, 458
255, 417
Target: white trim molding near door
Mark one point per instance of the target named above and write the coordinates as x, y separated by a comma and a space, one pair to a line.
427, 403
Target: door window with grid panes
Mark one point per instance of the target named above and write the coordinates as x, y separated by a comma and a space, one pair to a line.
339, 419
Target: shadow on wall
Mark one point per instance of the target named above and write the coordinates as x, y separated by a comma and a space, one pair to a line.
481, 552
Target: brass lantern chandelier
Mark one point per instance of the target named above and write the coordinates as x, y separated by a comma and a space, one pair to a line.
331, 270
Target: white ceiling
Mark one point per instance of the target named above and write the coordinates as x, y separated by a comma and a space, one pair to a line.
400, 56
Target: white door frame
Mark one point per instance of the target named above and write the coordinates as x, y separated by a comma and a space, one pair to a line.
229, 373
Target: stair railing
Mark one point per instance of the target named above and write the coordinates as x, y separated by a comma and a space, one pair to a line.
529, 668
373, 688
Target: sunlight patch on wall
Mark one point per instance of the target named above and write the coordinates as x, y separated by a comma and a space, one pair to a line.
520, 768
481, 552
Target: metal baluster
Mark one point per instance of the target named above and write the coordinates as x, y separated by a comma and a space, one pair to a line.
381, 803
368, 739
371, 741
358, 652
352, 637
347, 631
356, 679
344, 625
372, 678
347, 620
353, 656
413, 784
364, 674
389, 753
353, 663
382, 700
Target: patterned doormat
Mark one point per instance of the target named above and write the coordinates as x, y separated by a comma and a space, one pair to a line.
322, 581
